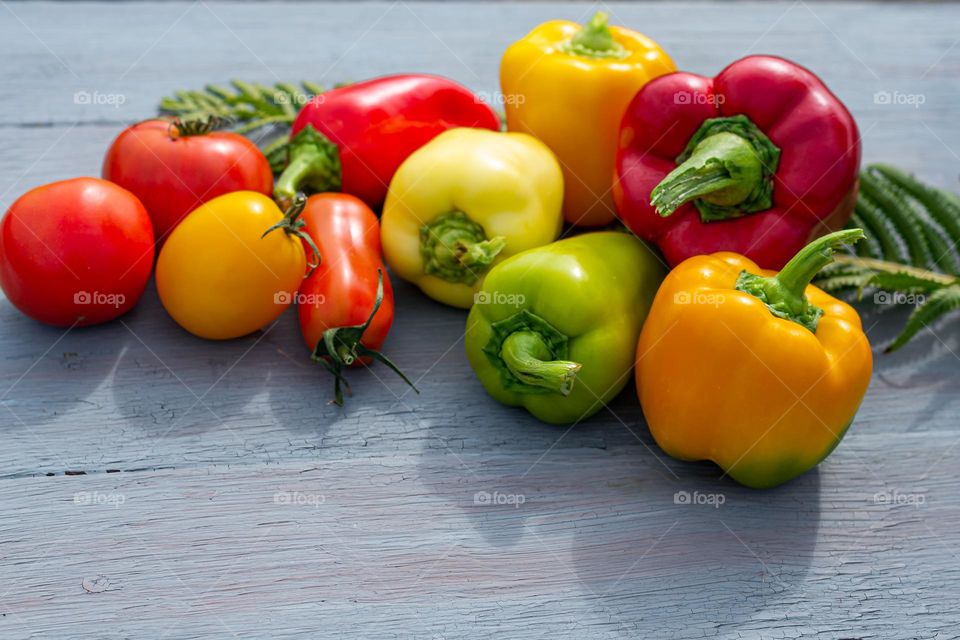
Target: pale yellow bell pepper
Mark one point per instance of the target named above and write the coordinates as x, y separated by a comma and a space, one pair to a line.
465, 201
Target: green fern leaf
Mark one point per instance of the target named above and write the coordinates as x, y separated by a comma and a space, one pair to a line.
942, 206
838, 284
901, 215
869, 247
879, 226
255, 105
902, 282
938, 304
844, 268
942, 249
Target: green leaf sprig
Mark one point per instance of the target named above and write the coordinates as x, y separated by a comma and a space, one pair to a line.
911, 247
247, 107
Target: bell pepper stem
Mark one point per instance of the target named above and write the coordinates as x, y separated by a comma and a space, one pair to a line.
313, 166
528, 358
688, 182
479, 253
594, 40
785, 293
456, 249
726, 170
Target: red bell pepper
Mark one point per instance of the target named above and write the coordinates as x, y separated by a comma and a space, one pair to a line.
758, 160
353, 138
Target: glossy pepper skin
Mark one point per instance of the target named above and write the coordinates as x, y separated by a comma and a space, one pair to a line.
759, 160
766, 393
465, 201
569, 86
353, 138
554, 328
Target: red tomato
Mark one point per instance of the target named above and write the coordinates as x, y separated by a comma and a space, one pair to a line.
76, 252
174, 170
338, 301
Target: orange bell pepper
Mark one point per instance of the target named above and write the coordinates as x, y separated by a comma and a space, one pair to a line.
761, 373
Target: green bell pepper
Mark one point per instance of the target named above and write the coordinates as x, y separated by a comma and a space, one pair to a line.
554, 329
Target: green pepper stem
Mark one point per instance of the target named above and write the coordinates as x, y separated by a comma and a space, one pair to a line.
726, 170
785, 293
800, 271
529, 358
313, 167
594, 40
685, 183
479, 253
456, 249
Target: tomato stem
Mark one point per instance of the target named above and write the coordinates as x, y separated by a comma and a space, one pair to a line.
293, 225
199, 127
340, 347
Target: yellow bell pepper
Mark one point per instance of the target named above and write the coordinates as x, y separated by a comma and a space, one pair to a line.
570, 86
463, 202
760, 372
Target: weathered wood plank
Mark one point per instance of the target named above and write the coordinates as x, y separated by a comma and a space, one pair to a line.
143, 393
208, 434
398, 547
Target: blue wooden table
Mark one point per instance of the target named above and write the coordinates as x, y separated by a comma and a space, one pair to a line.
153, 485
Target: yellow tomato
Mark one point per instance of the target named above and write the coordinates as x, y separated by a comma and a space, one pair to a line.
219, 277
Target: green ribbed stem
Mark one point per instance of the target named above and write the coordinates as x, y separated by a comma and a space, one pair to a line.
726, 170
531, 355
784, 294
456, 249
313, 166
529, 359
594, 40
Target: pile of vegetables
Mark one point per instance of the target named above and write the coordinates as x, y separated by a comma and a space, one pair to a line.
736, 191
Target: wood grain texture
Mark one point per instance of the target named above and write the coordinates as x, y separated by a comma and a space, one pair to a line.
158, 486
